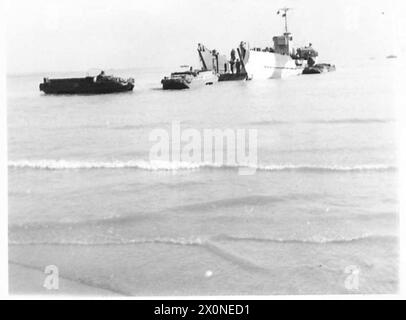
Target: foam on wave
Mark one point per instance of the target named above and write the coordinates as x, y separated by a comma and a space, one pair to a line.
311, 240
174, 166
197, 241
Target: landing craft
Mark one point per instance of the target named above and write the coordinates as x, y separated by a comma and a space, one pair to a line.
227, 70
280, 60
274, 62
87, 85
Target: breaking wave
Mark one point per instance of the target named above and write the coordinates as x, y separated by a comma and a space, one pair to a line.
175, 166
197, 241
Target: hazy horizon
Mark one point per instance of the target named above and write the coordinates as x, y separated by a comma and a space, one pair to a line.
77, 35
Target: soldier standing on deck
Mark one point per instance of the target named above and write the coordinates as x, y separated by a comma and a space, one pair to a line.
238, 66
232, 60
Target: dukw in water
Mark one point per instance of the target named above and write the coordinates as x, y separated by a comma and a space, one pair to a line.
189, 79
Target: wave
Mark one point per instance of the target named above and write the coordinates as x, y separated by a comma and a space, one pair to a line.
311, 240
358, 149
107, 125
323, 121
333, 168
175, 166
159, 240
77, 164
205, 244
268, 122
233, 202
354, 120
247, 203
139, 126
198, 241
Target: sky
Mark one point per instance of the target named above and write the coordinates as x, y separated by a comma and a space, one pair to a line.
79, 35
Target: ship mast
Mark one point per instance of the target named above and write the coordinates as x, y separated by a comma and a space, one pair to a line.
285, 15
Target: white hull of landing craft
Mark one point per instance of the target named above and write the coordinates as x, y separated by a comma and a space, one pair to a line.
270, 65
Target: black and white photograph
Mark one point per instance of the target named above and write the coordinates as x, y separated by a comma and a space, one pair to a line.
201, 148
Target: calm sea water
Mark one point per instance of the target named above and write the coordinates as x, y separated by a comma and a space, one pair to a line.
83, 196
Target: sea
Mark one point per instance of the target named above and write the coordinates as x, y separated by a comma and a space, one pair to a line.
318, 216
